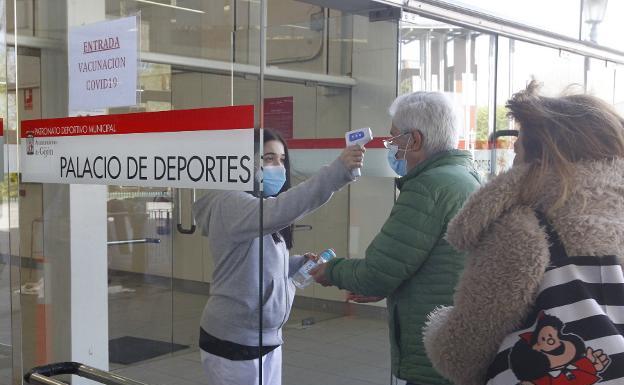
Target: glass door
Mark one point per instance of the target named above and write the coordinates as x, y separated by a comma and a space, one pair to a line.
99, 280
8, 204
348, 69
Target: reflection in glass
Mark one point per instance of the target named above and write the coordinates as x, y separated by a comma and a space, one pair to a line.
619, 89
440, 57
140, 274
601, 80
602, 22
8, 214
536, 13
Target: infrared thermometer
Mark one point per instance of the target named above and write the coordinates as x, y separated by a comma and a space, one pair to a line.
361, 136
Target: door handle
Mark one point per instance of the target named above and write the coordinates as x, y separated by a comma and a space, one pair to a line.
180, 227
133, 241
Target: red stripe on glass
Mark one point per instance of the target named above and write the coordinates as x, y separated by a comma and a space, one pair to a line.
327, 143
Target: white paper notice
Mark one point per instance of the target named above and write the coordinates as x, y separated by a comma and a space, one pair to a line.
103, 64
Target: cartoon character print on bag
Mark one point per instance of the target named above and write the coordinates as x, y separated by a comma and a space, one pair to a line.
549, 356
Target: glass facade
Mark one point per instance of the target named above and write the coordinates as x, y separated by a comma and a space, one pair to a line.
601, 23
533, 13
91, 272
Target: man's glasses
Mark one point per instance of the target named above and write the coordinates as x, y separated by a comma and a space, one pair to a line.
391, 142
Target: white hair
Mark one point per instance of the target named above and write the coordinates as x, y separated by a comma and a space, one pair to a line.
431, 113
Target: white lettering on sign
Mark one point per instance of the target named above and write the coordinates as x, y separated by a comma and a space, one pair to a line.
74, 130
103, 66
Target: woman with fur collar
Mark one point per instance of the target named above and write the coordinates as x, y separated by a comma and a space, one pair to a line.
570, 165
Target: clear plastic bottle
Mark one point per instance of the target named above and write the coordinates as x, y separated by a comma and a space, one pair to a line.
302, 278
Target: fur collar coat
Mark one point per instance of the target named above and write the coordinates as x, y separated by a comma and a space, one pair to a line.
507, 255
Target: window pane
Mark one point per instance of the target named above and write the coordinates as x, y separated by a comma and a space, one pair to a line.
536, 13
600, 79
619, 89
607, 32
554, 68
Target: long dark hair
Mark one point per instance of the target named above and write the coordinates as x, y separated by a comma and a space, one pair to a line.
285, 233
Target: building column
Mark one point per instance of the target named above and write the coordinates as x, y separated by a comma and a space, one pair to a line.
76, 269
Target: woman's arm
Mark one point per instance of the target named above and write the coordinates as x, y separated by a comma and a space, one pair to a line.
494, 295
238, 213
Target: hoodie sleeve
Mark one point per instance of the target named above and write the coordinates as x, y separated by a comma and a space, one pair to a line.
238, 213
494, 295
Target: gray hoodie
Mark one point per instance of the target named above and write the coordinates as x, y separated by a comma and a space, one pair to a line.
230, 220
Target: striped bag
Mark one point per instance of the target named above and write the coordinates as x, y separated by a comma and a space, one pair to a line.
575, 333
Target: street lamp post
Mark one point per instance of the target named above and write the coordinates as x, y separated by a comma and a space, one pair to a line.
593, 14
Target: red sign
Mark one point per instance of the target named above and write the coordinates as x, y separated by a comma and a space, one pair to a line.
201, 119
28, 99
278, 115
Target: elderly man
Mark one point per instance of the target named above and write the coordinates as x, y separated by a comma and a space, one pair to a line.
409, 261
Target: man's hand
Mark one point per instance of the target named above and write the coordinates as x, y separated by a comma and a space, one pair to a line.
363, 298
318, 273
310, 257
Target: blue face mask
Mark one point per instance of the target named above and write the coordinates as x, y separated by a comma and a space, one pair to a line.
398, 165
273, 178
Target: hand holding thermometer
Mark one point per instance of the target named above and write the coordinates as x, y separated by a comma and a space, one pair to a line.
361, 136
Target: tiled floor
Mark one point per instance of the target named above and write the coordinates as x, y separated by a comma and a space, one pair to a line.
335, 350
339, 351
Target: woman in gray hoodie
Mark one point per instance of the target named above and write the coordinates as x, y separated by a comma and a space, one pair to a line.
229, 333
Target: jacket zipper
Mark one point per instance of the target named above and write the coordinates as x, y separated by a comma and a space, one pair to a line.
285, 260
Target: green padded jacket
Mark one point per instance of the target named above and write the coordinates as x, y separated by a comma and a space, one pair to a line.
410, 262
